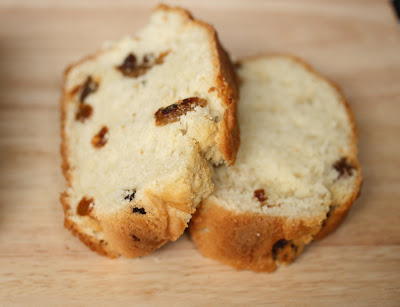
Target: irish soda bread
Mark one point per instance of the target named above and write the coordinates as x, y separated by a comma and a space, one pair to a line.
296, 174
142, 121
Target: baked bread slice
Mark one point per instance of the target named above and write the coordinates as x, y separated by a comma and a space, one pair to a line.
296, 174
142, 122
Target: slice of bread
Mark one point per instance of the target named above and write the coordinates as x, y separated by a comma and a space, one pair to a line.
296, 174
142, 122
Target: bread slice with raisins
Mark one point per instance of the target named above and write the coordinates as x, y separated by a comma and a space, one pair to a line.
296, 174
142, 122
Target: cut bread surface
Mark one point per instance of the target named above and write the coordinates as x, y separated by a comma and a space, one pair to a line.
141, 123
297, 165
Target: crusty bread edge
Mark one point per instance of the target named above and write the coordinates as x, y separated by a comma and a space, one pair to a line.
220, 243
228, 144
245, 240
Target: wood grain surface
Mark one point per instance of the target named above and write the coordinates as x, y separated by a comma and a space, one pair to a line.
354, 43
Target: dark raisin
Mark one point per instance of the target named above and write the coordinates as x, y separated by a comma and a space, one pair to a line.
131, 195
100, 139
90, 86
282, 251
84, 112
138, 210
172, 113
260, 195
84, 207
343, 167
278, 246
135, 238
130, 67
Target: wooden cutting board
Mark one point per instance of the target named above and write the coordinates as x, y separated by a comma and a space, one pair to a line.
355, 43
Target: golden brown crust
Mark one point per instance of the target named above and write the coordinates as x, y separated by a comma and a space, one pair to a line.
335, 217
135, 235
246, 240
228, 80
231, 237
130, 234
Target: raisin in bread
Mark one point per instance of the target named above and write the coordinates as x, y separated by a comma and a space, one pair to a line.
142, 122
296, 174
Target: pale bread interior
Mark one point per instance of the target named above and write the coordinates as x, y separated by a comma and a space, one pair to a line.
152, 160
294, 128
